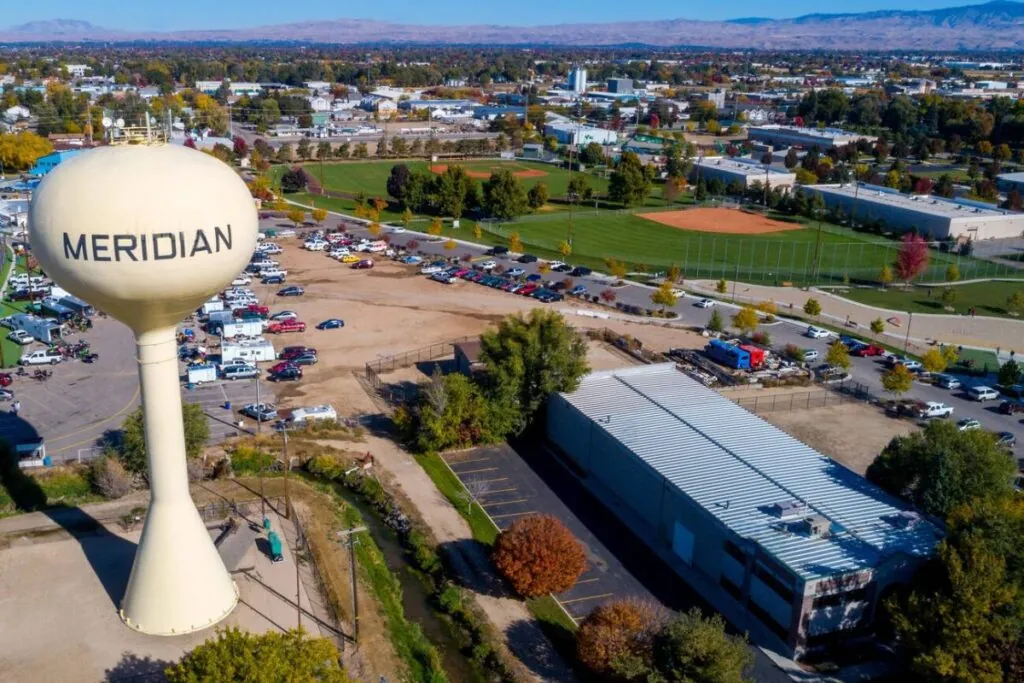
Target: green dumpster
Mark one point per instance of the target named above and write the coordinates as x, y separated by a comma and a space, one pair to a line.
275, 547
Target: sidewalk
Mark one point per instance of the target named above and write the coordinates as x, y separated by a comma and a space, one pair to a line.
979, 332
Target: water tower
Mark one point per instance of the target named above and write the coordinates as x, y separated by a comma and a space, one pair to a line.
146, 232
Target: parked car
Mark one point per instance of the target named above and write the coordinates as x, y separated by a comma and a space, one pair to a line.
536, 277
261, 412
40, 357
946, 382
431, 268
240, 371
705, 303
578, 290
396, 230
515, 272
290, 352
241, 281
1015, 391
350, 258
865, 350
274, 280
1007, 439
290, 325
982, 393
8, 322
280, 367
967, 425
444, 276
561, 268
810, 355
289, 372
331, 324
527, 258
306, 359
497, 251
1011, 407
816, 332
489, 264
935, 409
21, 337
293, 290
581, 271
285, 315
363, 264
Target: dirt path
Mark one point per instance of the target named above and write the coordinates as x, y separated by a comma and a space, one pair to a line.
509, 615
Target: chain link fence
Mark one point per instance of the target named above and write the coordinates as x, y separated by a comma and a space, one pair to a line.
403, 393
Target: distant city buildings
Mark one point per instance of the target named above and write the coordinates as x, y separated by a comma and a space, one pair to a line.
794, 136
744, 171
578, 80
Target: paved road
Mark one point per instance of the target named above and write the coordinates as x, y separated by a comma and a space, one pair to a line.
251, 136
867, 371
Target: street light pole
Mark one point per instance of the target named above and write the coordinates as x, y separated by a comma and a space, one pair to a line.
906, 340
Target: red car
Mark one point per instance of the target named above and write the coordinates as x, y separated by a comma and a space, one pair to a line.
528, 290
252, 308
280, 326
361, 265
281, 367
869, 350
289, 352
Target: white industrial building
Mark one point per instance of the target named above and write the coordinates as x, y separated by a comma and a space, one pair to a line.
745, 171
795, 136
936, 216
574, 134
236, 89
788, 544
578, 80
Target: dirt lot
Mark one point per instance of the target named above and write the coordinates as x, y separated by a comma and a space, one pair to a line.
390, 309
726, 221
851, 433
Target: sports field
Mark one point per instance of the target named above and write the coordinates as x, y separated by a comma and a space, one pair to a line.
989, 298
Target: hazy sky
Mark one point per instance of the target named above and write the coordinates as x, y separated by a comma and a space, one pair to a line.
203, 14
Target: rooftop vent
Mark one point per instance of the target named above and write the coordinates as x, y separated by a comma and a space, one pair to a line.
818, 526
789, 508
904, 520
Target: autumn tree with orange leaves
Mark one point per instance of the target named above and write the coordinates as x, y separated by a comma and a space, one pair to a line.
539, 555
618, 636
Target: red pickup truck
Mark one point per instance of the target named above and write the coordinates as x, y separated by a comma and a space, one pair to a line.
279, 326
252, 308
868, 350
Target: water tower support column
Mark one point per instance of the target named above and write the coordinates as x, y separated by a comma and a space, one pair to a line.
178, 583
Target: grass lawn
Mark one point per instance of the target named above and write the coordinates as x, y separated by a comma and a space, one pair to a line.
989, 298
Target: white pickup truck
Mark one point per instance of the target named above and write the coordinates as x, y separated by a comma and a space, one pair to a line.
40, 357
272, 272
934, 409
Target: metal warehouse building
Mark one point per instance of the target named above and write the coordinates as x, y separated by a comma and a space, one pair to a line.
745, 171
785, 542
795, 136
933, 215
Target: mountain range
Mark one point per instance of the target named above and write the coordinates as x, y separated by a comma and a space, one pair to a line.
997, 25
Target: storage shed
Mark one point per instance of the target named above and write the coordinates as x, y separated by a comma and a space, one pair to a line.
789, 545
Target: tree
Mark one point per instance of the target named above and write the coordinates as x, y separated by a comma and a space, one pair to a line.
715, 323
318, 215
537, 196
692, 648
941, 468
746, 320
515, 243
885, 276
838, 355
304, 149
504, 196
629, 183
1015, 302
451, 245
767, 307
877, 326
406, 217
948, 297
538, 555
805, 177
478, 232
450, 412
240, 147
528, 358
237, 655
664, 296
812, 307
454, 189
912, 258
131, 445
617, 269
952, 273
579, 189
898, 380
374, 229
791, 159
592, 154
110, 478
565, 249
721, 286
296, 216
608, 296
436, 228
19, 151
1009, 373
933, 360
398, 183
293, 180
617, 638
323, 150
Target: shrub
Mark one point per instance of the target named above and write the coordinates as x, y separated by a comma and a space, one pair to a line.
539, 555
328, 465
794, 352
109, 477
762, 338
196, 469
250, 460
618, 635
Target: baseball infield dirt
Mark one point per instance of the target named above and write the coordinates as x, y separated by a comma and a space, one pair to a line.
726, 221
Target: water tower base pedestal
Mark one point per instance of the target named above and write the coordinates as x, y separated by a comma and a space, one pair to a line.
178, 583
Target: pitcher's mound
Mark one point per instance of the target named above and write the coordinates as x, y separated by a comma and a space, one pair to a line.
727, 221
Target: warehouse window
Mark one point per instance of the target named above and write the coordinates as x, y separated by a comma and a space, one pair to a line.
840, 598
734, 552
770, 580
731, 588
767, 619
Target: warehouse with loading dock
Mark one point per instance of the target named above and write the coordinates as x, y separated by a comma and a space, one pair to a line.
788, 544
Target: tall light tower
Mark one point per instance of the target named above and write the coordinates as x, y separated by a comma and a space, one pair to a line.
147, 232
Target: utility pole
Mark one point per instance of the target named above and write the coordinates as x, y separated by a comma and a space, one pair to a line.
906, 340
287, 466
349, 536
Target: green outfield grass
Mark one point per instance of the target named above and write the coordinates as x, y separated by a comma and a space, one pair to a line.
989, 298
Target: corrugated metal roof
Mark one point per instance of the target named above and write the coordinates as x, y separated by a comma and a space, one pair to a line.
737, 466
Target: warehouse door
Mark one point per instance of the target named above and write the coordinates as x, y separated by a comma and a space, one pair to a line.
682, 543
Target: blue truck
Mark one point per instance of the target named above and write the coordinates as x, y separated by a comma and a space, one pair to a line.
728, 354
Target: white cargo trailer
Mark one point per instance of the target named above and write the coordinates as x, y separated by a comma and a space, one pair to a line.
199, 373
241, 328
255, 351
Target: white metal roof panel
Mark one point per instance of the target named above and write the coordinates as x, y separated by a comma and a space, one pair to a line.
737, 466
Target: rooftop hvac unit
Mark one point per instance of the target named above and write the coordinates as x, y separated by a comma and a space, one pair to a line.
817, 526
789, 508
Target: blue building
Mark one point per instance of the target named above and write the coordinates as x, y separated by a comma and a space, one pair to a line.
51, 161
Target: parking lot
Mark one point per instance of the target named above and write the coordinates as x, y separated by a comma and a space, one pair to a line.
512, 482
221, 402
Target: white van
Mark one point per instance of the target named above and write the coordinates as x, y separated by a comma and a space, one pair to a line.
982, 393
300, 416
